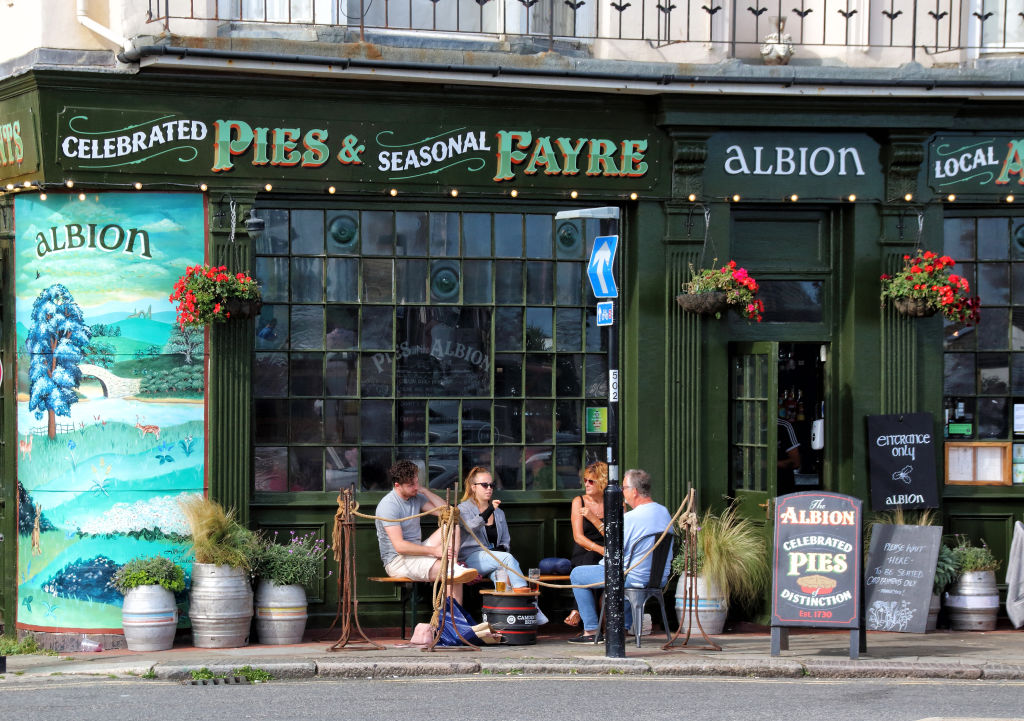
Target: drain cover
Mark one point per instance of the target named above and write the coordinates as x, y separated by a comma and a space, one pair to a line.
229, 681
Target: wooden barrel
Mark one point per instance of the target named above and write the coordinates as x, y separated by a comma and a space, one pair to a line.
513, 615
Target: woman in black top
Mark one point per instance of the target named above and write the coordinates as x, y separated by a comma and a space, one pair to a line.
587, 519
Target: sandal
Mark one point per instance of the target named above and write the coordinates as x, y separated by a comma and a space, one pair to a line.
573, 619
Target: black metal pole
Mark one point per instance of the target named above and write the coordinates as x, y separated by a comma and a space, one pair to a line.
614, 601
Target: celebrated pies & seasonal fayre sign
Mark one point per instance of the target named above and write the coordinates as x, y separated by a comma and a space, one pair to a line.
817, 562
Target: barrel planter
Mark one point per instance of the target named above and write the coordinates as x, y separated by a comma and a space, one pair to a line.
149, 618
220, 606
280, 613
973, 602
711, 608
513, 615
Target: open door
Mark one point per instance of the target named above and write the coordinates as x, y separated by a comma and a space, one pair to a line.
753, 393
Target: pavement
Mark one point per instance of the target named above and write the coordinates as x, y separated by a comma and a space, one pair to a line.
997, 655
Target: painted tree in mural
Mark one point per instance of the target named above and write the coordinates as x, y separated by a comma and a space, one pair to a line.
187, 340
56, 342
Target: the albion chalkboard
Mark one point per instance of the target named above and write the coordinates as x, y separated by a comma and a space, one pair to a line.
898, 577
816, 570
901, 461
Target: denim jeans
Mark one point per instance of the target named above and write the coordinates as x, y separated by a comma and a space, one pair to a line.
486, 565
586, 598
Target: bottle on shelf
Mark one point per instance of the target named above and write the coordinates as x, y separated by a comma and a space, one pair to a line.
800, 415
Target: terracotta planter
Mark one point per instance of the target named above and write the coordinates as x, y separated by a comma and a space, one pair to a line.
914, 307
703, 303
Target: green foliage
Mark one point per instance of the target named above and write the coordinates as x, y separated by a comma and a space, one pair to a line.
255, 675
204, 674
217, 538
299, 561
945, 570
154, 571
10, 646
970, 559
732, 554
184, 379
150, 674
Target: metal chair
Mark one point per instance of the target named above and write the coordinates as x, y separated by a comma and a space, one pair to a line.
638, 597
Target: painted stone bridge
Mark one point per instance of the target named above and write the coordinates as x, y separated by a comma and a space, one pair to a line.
113, 386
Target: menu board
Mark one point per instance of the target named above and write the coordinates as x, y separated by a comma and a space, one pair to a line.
901, 461
898, 577
817, 561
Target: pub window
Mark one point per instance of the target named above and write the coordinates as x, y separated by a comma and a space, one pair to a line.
984, 364
449, 338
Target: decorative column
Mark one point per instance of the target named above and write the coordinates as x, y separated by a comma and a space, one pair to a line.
229, 373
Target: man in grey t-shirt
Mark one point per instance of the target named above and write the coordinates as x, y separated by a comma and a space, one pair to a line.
402, 548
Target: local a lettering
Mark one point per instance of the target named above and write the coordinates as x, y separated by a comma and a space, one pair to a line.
965, 163
109, 238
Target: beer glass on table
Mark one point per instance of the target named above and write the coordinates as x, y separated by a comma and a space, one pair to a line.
500, 580
534, 575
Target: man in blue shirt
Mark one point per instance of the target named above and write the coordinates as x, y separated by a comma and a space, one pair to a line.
640, 529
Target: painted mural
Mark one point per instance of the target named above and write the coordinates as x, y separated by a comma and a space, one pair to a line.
110, 396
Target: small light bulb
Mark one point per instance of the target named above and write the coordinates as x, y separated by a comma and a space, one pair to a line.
1009, 198
393, 192
692, 197
574, 194
794, 197
138, 186
852, 198
514, 193
42, 196
204, 187
81, 196
951, 197
633, 196
28, 183
10, 186
455, 192
268, 187
332, 190
69, 183
736, 198
908, 197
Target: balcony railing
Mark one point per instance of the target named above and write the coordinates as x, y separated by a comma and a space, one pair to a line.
729, 28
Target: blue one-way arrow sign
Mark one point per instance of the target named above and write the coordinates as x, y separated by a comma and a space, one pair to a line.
602, 280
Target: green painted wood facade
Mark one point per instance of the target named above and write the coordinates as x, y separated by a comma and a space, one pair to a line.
674, 367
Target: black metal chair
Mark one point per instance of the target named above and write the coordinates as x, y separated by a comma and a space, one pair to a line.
638, 597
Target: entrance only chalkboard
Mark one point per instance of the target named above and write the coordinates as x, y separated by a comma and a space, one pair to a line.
901, 461
898, 577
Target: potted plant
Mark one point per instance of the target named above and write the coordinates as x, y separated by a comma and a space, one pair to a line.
973, 601
925, 285
149, 615
732, 566
220, 602
283, 572
945, 574
206, 294
713, 290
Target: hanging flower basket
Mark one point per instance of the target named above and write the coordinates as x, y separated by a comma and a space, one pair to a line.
713, 290
914, 307
207, 294
703, 303
926, 285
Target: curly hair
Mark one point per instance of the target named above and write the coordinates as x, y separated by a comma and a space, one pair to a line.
597, 472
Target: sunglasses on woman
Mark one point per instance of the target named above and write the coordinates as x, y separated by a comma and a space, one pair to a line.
484, 485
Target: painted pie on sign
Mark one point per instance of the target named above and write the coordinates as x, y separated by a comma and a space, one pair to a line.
816, 585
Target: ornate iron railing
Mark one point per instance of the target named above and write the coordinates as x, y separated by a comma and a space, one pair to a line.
728, 27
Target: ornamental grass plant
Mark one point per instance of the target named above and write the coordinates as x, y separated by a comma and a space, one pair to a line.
202, 294
739, 287
217, 538
731, 553
971, 559
927, 277
299, 561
